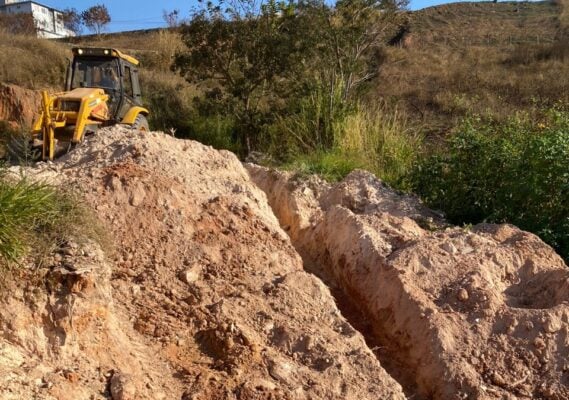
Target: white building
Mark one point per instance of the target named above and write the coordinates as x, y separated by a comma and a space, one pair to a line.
49, 21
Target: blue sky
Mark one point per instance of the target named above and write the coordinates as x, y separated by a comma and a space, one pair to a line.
141, 14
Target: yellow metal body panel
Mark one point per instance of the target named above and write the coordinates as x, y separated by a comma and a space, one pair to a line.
78, 94
126, 57
93, 110
131, 115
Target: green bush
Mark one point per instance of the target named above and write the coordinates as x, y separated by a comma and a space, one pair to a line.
216, 130
515, 172
168, 97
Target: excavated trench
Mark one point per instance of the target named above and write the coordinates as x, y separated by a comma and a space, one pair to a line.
389, 353
446, 311
304, 224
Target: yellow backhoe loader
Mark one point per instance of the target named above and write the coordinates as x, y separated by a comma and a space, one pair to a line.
101, 89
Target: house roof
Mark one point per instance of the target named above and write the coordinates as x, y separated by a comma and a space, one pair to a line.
32, 2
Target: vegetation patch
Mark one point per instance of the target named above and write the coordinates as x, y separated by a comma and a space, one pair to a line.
377, 139
36, 218
515, 172
30, 62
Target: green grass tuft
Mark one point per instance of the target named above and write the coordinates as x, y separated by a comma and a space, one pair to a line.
36, 218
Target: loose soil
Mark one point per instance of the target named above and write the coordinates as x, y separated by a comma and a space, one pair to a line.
455, 313
202, 296
230, 282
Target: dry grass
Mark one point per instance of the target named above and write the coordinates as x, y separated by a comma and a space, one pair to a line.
154, 48
381, 140
564, 18
31, 62
443, 79
461, 24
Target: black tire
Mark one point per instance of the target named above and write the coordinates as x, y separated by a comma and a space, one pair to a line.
141, 123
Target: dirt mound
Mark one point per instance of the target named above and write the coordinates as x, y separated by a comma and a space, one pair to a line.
18, 105
204, 298
456, 313
63, 338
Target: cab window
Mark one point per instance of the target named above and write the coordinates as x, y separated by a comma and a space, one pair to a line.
128, 82
95, 73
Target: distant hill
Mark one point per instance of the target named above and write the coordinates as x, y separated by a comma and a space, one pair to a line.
483, 58
487, 23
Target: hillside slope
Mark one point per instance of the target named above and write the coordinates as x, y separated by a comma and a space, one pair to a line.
487, 59
486, 23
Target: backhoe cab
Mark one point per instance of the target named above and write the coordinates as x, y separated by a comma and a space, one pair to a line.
102, 89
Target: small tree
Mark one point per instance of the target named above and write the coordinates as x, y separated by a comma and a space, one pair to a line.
244, 49
72, 20
266, 55
352, 34
96, 18
172, 18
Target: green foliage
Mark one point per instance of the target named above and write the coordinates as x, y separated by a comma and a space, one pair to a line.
516, 172
267, 65
377, 139
37, 217
331, 165
217, 131
168, 97
346, 40
382, 139
310, 123
243, 50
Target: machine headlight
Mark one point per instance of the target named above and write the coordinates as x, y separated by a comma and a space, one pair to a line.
80, 51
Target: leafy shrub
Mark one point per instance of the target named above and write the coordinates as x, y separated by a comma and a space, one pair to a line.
516, 172
216, 130
309, 124
169, 99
